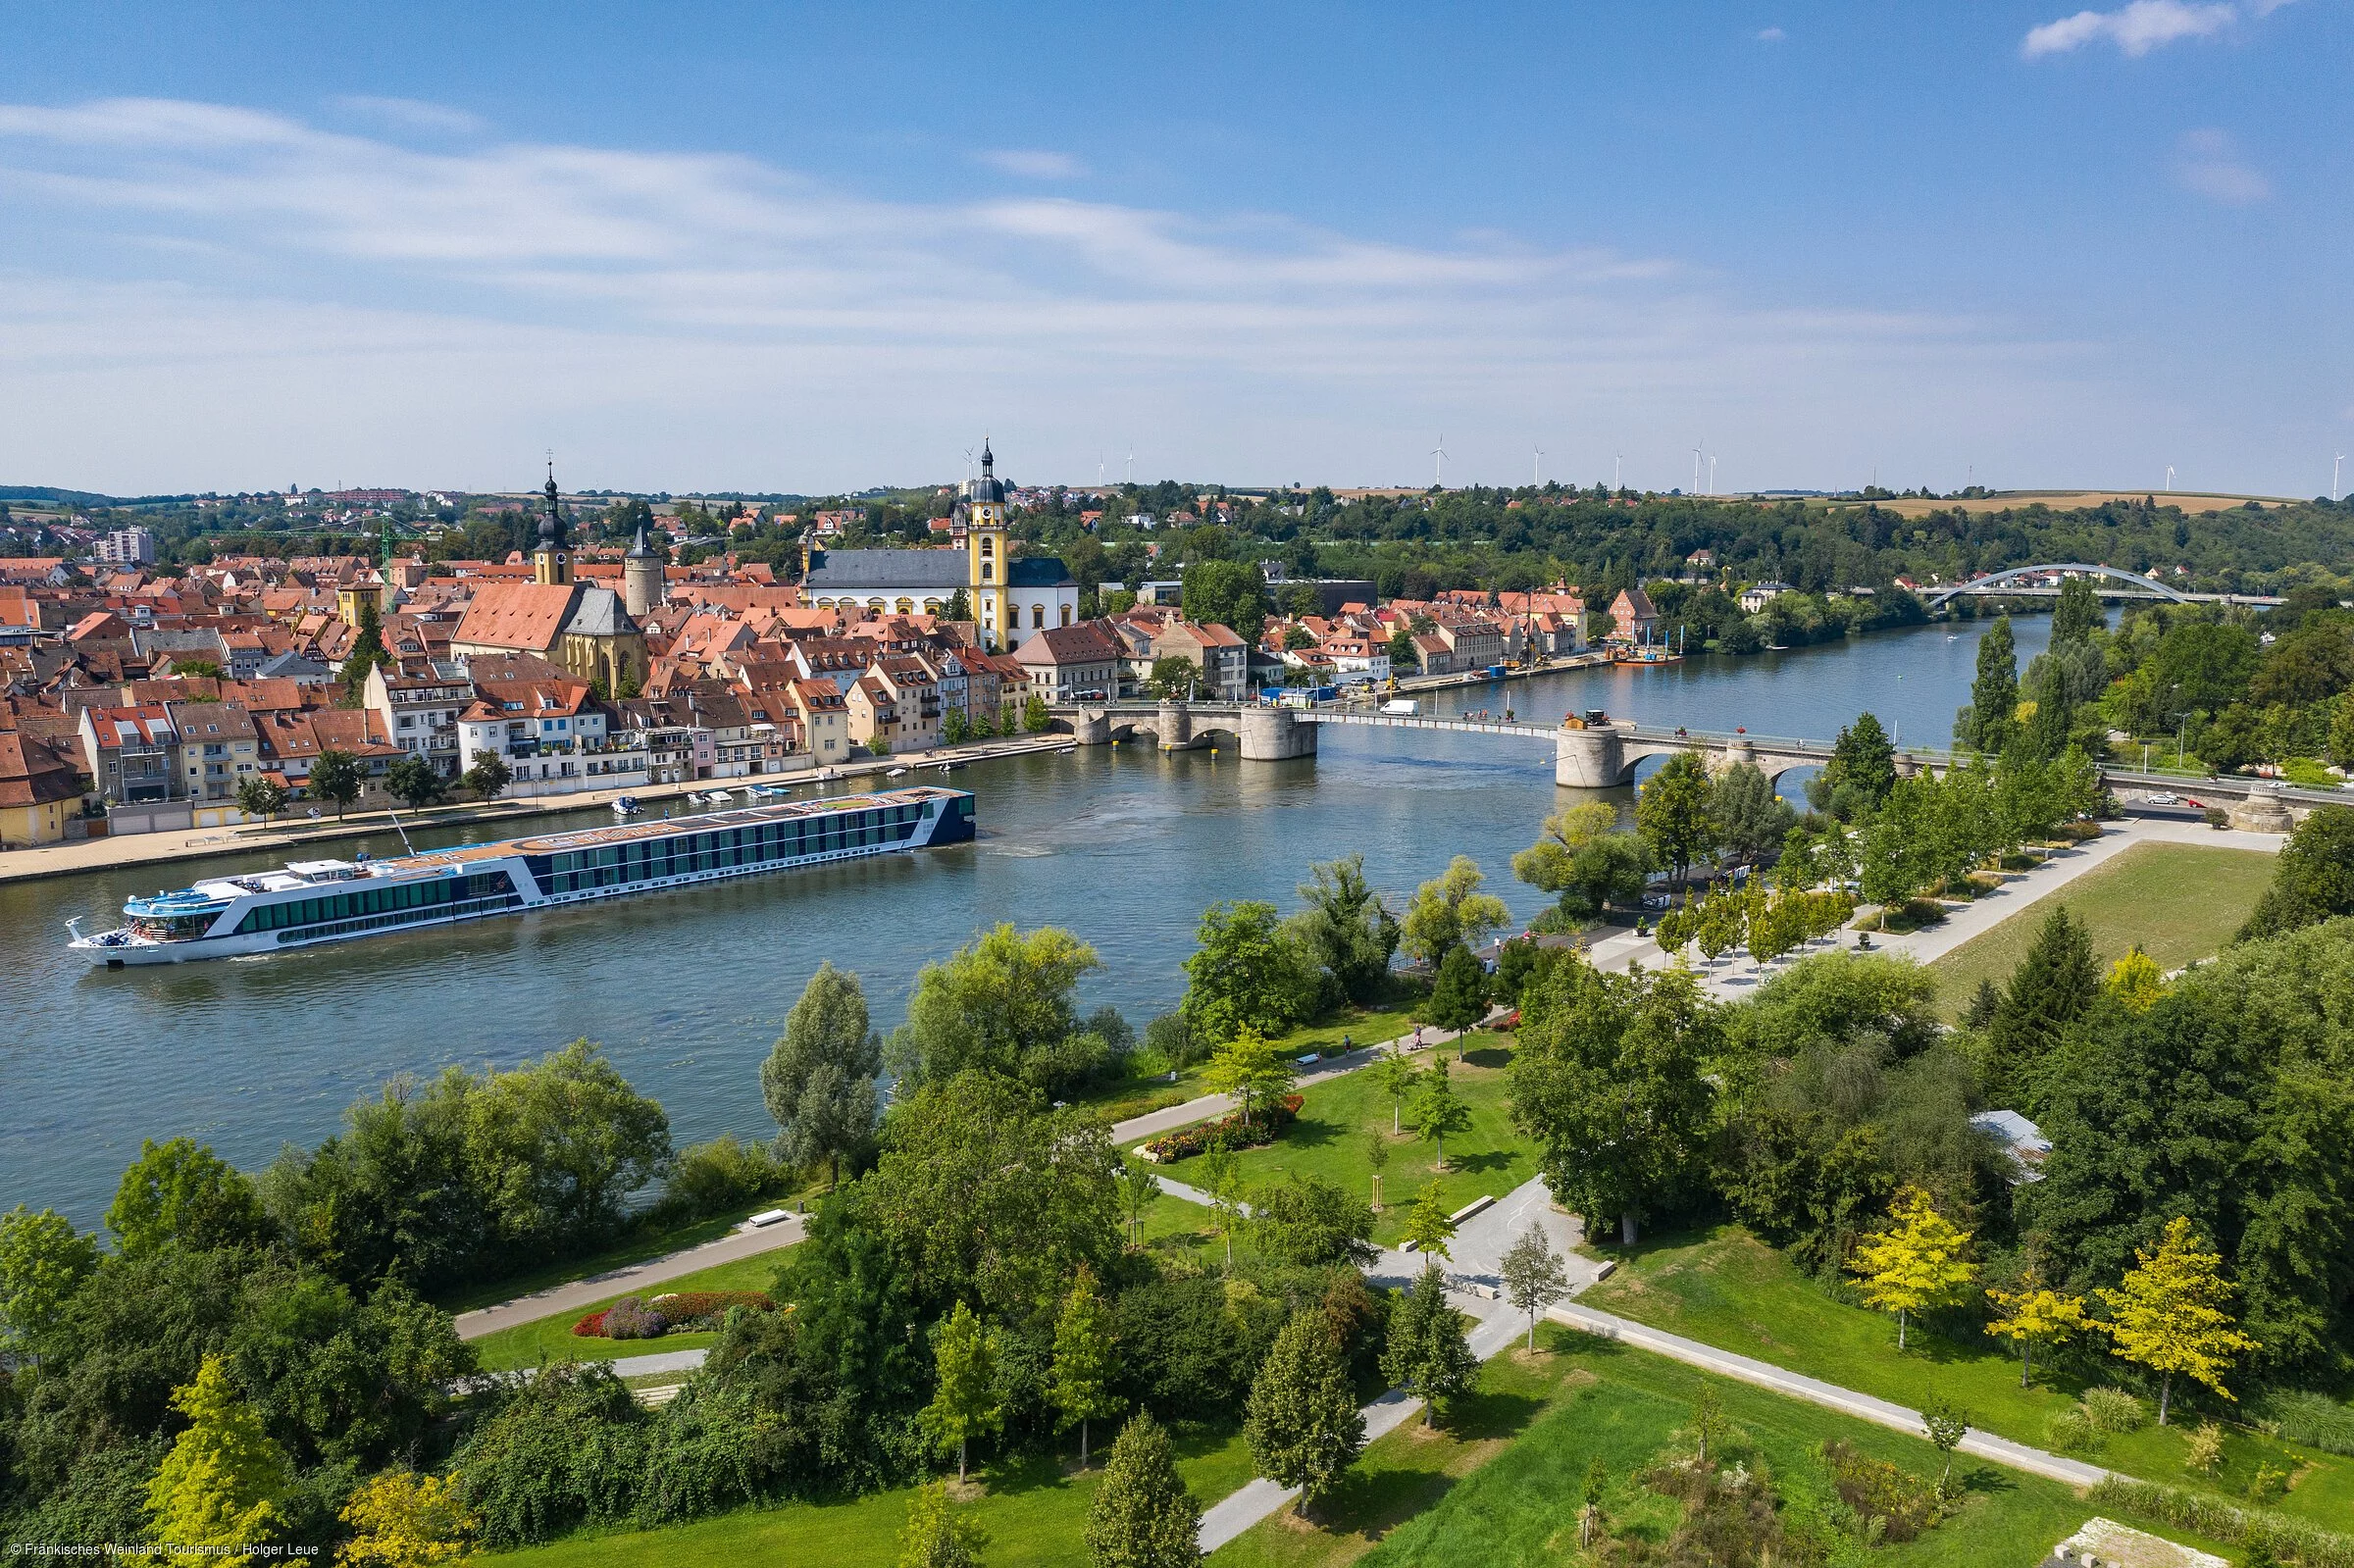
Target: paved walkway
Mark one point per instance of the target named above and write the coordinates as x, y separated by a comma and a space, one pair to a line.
579, 1294
1154, 1123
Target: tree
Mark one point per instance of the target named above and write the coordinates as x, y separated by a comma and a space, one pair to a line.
1533, 1276
1347, 927
1004, 1002
938, 1534
955, 728
222, 1483
959, 608
367, 653
181, 1193
1173, 676
1404, 657
1450, 910
1751, 821
2315, 880
335, 775
1671, 812
1301, 1422
1228, 593
1311, 1222
1590, 1517
2054, 986
260, 795
2135, 981
1437, 1111
44, 1261
1428, 1350
1915, 1263
1084, 1359
2077, 613
487, 775
414, 782
1142, 1516
1138, 1189
558, 1145
2036, 1315
1428, 1224
1459, 997
819, 1078
1393, 1073
1708, 1420
966, 1401
1987, 723
1246, 973
1945, 1424
1377, 1158
1222, 1182
2167, 1314
1862, 764
1610, 1079
1251, 1069
1035, 717
400, 1519
1581, 856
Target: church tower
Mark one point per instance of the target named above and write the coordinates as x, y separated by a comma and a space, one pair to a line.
986, 551
551, 562
642, 589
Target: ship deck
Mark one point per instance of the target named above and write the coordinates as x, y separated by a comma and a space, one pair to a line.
659, 828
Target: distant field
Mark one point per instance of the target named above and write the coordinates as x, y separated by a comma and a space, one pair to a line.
2178, 902
2063, 500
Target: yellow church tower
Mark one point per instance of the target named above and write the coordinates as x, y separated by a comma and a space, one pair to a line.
551, 562
988, 563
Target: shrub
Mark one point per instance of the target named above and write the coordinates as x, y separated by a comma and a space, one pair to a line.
1876, 1489
1227, 1132
701, 1310
2115, 1410
592, 1326
719, 1175
2072, 1430
2209, 1515
564, 1448
1172, 1041
2218, 818
631, 1319
2308, 1417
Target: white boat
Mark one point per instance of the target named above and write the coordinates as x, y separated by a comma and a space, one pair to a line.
719, 798
896, 773
313, 901
764, 792
626, 806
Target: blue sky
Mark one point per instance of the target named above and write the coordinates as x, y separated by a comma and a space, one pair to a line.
706, 246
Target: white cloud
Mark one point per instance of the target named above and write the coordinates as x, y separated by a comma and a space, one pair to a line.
280, 295
2208, 163
411, 114
2135, 28
1771, 36
1030, 163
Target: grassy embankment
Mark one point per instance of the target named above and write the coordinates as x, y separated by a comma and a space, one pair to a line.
1727, 1289
1035, 1511
1507, 1485
2179, 901
1330, 1137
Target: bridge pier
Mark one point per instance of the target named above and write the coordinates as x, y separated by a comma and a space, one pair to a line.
1589, 759
1274, 734
1176, 730
1736, 752
1092, 727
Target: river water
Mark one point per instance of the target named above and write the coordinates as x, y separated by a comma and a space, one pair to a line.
688, 989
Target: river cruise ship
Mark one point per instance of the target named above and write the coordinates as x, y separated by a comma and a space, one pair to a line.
336, 901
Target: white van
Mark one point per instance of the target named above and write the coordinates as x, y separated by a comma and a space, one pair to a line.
1402, 707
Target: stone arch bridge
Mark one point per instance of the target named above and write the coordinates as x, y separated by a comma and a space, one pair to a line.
1599, 757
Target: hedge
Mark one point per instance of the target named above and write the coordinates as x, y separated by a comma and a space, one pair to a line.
2309, 1545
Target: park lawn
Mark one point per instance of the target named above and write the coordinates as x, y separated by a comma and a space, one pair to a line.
1726, 1288
1355, 1025
1035, 1511
551, 1338
637, 1247
2178, 902
1329, 1140
1629, 1409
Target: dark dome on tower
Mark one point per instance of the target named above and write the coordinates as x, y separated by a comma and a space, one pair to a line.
987, 487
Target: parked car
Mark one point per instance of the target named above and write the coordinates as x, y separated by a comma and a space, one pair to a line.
2163, 798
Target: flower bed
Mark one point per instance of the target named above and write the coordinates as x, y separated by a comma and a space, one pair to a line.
680, 1312
1227, 1132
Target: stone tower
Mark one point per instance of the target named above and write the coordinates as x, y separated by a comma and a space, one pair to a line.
642, 589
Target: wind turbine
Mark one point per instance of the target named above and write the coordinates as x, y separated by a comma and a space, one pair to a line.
1712, 476
2333, 461
1617, 462
1131, 464
1098, 468
1438, 463
1533, 479
1696, 468
2170, 475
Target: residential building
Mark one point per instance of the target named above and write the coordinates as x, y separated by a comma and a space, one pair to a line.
1633, 618
134, 546
131, 753
1222, 657
40, 793
825, 721
218, 747
1759, 595
1071, 664
419, 706
1474, 641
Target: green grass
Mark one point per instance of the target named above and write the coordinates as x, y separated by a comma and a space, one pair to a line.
550, 1338
1329, 1140
1725, 1287
1035, 1511
1362, 1026
1626, 1408
2178, 902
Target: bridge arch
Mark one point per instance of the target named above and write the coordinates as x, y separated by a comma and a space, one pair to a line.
1981, 585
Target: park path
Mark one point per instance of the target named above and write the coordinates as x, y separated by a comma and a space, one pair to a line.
579, 1294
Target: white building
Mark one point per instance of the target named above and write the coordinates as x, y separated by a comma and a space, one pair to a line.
133, 546
1756, 597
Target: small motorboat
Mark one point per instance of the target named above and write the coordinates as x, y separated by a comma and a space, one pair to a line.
1064, 751
896, 772
719, 798
764, 792
627, 806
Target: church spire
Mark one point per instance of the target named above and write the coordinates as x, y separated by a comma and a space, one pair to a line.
549, 562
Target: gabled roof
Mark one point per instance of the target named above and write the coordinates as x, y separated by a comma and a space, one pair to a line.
32, 775
858, 571
528, 617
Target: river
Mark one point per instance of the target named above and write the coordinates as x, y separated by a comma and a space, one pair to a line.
688, 989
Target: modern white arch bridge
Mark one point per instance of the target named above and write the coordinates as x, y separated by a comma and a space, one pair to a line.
2110, 582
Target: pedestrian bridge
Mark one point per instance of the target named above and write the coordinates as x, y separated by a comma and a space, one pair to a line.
1598, 757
